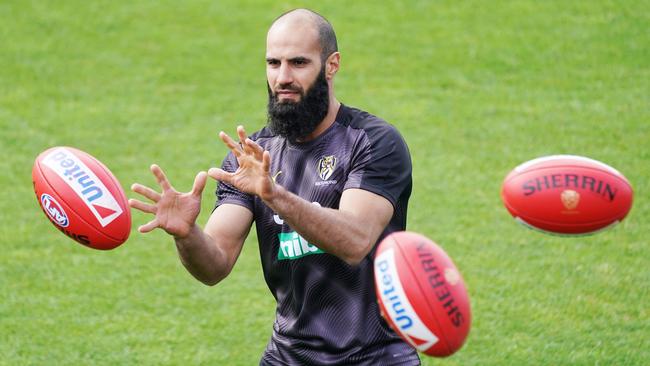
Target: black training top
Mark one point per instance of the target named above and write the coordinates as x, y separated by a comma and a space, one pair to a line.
327, 312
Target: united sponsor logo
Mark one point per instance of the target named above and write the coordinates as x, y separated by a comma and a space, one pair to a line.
85, 184
54, 210
294, 246
326, 166
398, 305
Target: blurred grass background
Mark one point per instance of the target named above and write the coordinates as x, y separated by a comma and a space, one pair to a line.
475, 88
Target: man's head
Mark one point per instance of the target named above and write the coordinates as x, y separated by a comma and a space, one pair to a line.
301, 61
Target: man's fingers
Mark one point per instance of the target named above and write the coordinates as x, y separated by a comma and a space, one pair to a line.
146, 191
266, 162
232, 145
241, 132
254, 148
148, 226
248, 145
144, 207
160, 177
220, 175
248, 149
199, 183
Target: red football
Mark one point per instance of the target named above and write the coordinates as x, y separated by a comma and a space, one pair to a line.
421, 294
81, 197
567, 195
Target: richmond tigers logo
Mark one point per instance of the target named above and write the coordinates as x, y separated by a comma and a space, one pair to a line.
326, 166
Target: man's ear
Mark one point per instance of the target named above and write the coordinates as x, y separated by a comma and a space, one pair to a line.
332, 65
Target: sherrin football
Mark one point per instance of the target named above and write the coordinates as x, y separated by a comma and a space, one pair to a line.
421, 294
567, 195
81, 197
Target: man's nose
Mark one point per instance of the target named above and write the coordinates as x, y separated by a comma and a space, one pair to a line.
284, 75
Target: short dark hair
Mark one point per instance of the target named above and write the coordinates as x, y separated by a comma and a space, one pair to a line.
326, 35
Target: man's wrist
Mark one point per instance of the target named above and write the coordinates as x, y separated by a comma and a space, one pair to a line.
274, 195
181, 238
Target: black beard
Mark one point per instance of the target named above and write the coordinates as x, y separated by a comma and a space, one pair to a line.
296, 120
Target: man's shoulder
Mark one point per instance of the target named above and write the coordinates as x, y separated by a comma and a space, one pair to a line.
374, 127
358, 118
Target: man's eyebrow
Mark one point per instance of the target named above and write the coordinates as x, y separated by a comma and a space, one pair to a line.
293, 59
299, 59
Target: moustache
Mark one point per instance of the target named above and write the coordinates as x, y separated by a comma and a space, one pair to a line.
288, 87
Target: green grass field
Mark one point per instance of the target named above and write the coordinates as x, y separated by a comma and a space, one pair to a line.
475, 87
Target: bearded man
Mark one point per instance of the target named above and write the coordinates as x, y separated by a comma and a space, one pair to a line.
323, 183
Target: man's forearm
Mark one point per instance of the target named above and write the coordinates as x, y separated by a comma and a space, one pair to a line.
336, 232
201, 257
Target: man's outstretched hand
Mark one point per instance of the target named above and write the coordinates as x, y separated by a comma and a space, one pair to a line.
175, 212
252, 175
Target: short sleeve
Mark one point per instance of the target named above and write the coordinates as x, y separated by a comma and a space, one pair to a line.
226, 193
381, 163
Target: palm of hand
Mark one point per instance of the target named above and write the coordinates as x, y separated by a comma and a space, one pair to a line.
251, 176
177, 212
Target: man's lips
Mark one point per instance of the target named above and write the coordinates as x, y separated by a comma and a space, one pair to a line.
286, 92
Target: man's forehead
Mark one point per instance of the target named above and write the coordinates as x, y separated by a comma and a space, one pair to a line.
292, 39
